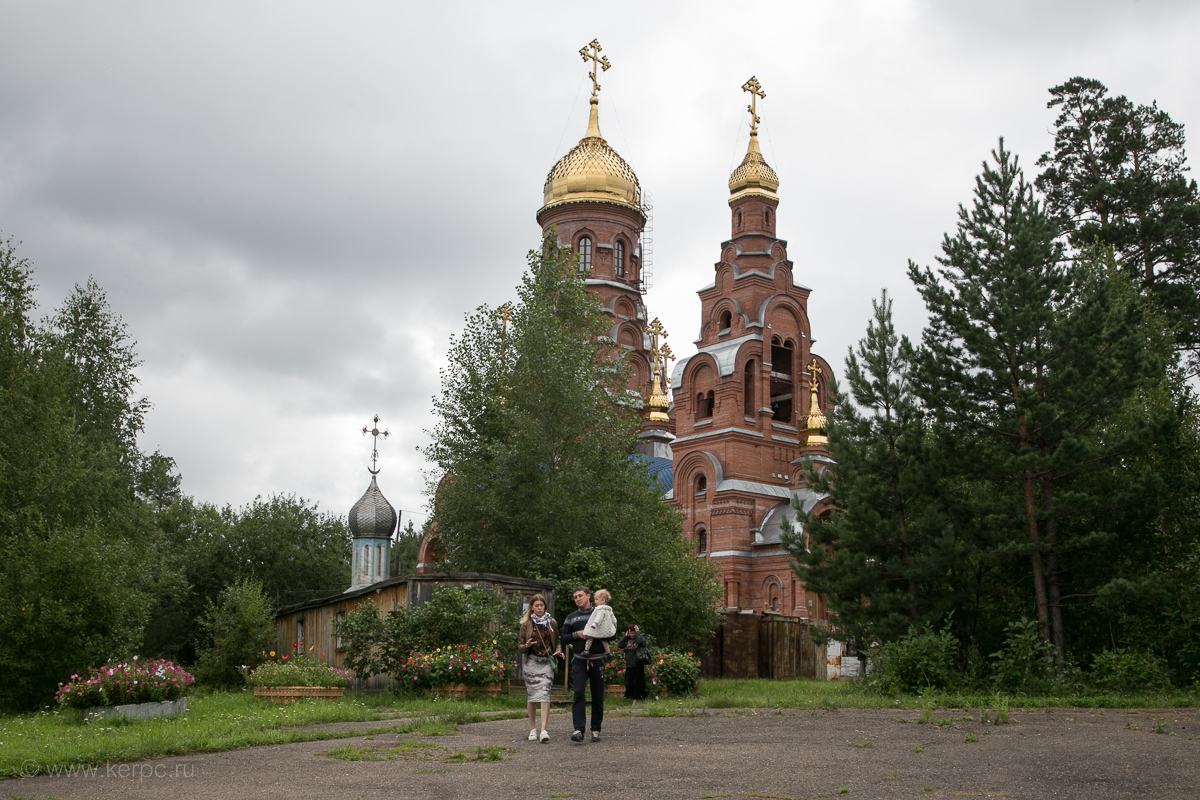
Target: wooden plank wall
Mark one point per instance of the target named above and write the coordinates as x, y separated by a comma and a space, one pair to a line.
768, 646
318, 629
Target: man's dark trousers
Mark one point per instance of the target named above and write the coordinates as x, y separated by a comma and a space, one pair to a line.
584, 671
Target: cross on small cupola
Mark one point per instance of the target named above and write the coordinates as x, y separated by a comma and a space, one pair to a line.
375, 434
756, 91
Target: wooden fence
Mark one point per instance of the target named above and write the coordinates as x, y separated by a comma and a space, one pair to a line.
767, 646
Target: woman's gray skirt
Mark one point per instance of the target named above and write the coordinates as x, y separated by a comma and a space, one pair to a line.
539, 676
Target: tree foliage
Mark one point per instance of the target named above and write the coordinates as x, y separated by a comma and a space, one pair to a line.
532, 452
1116, 175
235, 631
284, 543
886, 558
79, 555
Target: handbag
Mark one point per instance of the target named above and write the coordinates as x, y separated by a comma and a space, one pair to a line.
553, 665
642, 655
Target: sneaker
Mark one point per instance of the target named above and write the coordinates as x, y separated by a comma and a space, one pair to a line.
577, 736
533, 735
545, 737
595, 736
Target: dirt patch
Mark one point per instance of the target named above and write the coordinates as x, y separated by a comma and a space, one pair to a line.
1064, 753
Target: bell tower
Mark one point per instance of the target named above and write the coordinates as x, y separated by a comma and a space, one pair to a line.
742, 403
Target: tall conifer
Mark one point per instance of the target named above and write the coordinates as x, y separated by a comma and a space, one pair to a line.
1025, 357
884, 558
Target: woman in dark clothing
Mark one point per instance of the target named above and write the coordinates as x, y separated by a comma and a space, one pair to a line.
635, 671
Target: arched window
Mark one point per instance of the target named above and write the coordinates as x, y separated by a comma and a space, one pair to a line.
702, 542
726, 320
704, 405
739, 220
782, 381
748, 390
585, 255
701, 484
767, 216
619, 259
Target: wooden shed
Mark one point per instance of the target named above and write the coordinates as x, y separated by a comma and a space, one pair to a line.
312, 622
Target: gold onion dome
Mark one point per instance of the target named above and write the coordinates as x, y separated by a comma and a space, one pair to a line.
592, 171
754, 175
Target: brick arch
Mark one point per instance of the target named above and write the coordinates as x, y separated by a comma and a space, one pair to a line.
629, 336
772, 594
622, 307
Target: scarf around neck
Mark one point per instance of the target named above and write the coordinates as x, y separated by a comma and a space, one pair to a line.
544, 619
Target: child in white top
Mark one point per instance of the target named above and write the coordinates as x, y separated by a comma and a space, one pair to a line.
602, 624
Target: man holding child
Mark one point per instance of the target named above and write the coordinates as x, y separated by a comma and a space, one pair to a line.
590, 651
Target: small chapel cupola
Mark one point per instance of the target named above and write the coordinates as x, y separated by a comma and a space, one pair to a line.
372, 522
753, 184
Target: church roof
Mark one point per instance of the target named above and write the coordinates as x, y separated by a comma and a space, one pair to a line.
593, 171
661, 470
373, 517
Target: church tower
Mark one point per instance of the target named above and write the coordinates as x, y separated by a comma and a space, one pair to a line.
593, 201
744, 403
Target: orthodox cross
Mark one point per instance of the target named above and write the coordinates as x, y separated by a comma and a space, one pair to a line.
599, 62
666, 357
375, 434
816, 371
504, 314
656, 329
755, 89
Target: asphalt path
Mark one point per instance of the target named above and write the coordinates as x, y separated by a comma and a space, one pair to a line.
1064, 753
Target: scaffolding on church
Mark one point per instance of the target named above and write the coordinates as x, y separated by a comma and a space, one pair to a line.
646, 245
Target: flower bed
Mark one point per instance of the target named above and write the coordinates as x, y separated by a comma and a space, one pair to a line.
299, 671
125, 683
456, 664
678, 673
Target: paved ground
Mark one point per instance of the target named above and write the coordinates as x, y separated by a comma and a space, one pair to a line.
1090, 755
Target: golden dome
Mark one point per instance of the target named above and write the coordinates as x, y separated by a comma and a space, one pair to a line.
754, 175
592, 171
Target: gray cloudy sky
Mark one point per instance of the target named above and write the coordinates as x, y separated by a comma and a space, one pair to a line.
293, 204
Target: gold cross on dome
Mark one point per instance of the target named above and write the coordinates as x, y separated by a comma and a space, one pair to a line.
504, 314
655, 329
666, 357
756, 91
375, 434
816, 371
599, 63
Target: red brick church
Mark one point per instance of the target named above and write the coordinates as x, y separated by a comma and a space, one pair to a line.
745, 410
744, 413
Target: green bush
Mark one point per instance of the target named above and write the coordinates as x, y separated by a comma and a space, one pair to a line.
295, 670
678, 672
237, 629
917, 662
451, 617
1122, 672
1026, 663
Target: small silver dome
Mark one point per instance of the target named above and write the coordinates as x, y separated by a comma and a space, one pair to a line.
373, 517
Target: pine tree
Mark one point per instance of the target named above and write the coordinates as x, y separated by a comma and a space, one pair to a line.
1116, 176
885, 556
1025, 358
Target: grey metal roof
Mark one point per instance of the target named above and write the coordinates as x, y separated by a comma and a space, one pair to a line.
373, 517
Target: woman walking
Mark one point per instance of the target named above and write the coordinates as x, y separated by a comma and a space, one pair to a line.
636, 657
538, 640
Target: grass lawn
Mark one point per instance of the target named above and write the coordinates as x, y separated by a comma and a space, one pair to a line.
52, 741
55, 741
806, 694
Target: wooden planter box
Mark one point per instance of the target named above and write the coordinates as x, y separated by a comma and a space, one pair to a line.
462, 690
290, 694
